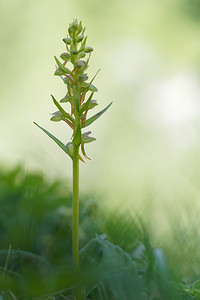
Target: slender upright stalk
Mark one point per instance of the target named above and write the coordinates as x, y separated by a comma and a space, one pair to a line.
78, 88
75, 223
75, 226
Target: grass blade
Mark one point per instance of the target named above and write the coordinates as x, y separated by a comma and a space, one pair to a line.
6, 262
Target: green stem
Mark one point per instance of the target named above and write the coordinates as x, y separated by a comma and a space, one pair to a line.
75, 226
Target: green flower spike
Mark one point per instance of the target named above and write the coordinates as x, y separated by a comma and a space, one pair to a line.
77, 85
78, 101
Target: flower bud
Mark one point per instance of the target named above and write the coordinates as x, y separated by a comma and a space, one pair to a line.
80, 28
65, 56
70, 148
70, 30
80, 64
88, 49
57, 116
82, 54
80, 38
67, 41
74, 52
75, 25
82, 77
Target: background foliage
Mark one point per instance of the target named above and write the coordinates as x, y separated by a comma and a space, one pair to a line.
35, 255
145, 161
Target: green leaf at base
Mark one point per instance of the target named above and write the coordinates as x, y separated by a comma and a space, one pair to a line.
57, 141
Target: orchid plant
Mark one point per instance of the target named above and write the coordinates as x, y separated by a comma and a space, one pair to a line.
79, 100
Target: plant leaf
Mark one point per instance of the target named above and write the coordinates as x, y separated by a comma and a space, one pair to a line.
59, 72
77, 96
64, 69
162, 276
83, 44
65, 114
196, 285
86, 104
117, 272
95, 76
77, 136
57, 141
95, 117
6, 262
25, 254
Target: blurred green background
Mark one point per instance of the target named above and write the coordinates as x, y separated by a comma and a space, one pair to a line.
147, 154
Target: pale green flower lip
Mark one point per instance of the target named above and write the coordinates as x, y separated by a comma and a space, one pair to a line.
85, 138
